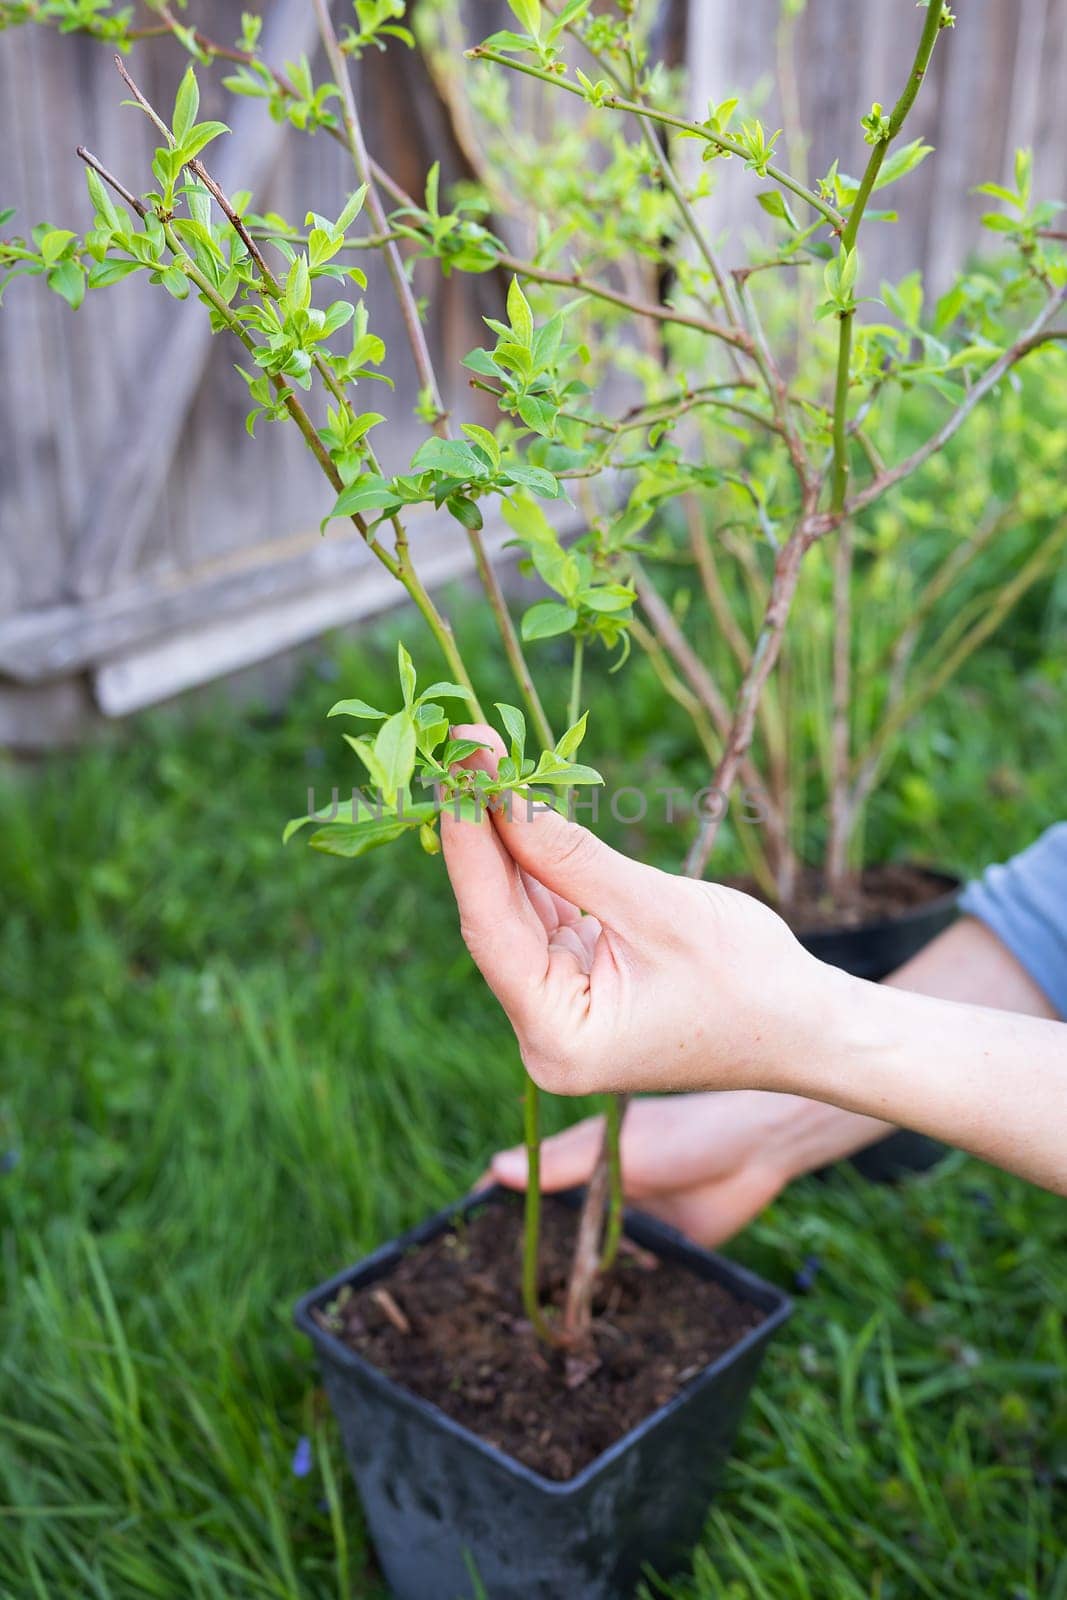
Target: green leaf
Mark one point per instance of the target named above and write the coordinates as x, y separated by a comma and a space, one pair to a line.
175, 282
466, 512
369, 493
487, 441
481, 361
351, 839
102, 201
446, 691
406, 669
68, 281
459, 749
776, 205
548, 618
186, 105
53, 243
568, 745
542, 483
902, 161
394, 749
608, 598
454, 457
515, 724
551, 770
353, 207
298, 285
200, 137
519, 315
572, 12
356, 708
529, 14
538, 414
366, 753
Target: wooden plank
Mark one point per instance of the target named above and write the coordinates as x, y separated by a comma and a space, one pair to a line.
198, 655
40, 716
49, 642
53, 641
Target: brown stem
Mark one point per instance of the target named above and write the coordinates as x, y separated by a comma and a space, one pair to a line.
764, 656
785, 867
709, 695
585, 1263
109, 178
639, 308
769, 881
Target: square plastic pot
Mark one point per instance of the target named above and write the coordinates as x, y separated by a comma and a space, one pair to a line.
453, 1518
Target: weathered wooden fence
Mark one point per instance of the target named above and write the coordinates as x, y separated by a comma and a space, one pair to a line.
145, 545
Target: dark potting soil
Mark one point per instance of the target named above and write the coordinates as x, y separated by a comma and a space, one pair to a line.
448, 1324
884, 891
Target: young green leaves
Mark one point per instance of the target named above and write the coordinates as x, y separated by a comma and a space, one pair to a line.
412, 749
187, 139
454, 473
589, 598
527, 364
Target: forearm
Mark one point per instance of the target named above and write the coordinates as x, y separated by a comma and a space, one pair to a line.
992, 1082
968, 963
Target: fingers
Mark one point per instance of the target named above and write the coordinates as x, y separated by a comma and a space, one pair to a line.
567, 1159
500, 927
574, 864
553, 910
570, 866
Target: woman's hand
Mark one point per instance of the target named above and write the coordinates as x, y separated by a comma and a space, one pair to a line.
706, 1163
616, 976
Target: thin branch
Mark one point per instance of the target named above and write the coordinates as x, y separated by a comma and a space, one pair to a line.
639, 308
109, 178
367, 173
776, 388
696, 129
1039, 333
714, 591
764, 656
989, 621
706, 690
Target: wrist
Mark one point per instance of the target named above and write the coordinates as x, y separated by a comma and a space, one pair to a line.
800, 1056
812, 1134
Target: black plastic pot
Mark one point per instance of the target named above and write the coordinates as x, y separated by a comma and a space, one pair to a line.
453, 1518
873, 951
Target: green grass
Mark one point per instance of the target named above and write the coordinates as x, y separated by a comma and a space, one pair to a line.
226, 1071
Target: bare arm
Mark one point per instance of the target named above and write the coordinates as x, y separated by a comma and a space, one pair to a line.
965, 963
992, 1081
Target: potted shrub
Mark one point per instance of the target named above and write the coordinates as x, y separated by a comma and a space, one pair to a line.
622, 339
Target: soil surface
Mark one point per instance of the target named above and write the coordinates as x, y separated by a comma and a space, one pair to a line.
884, 891
450, 1327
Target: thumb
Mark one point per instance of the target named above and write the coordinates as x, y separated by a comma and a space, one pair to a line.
499, 924
573, 862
